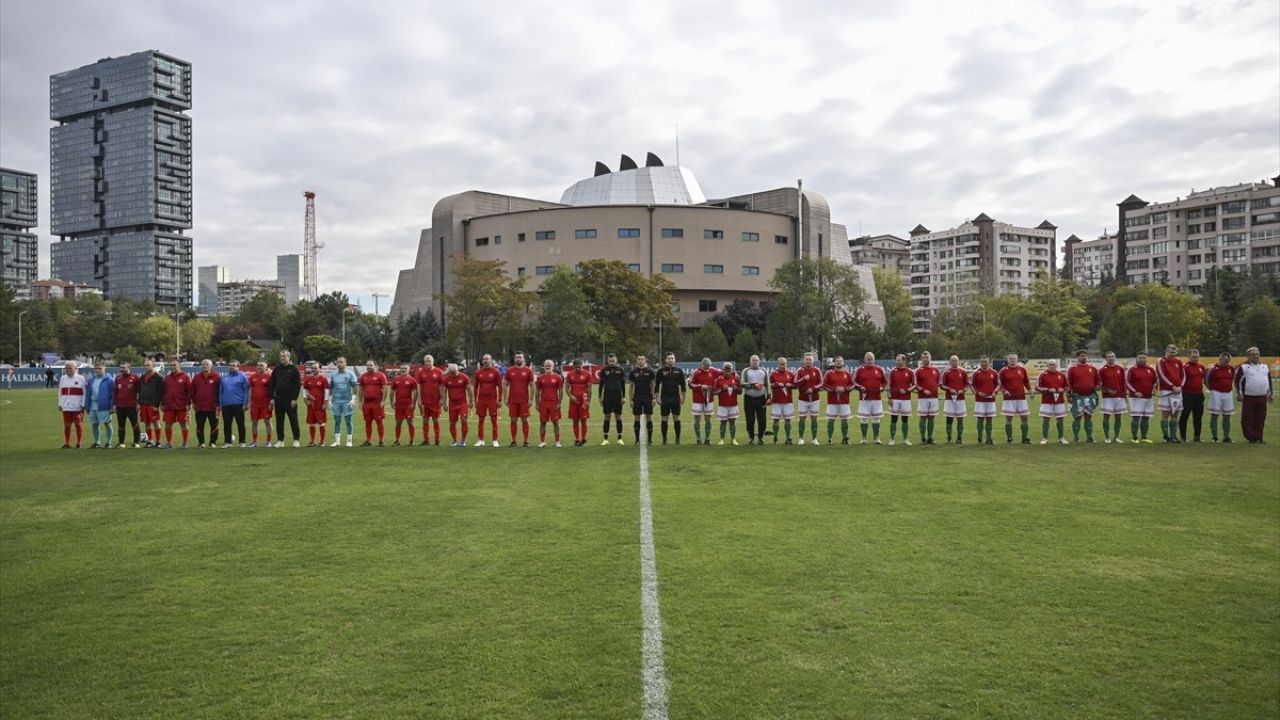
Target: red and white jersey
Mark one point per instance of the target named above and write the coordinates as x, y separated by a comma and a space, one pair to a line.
838, 384
549, 384
927, 378
177, 391
955, 381
901, 381
727, 389
487, 381
1111, 378
1141, 381
372, 383
703, 383
782, 385
519, 378
1014, 382
456, 387
1170, 373
1052, 385
71, 391
402, 389
985, 383
1220, 378
260, 389
1083, 378
1192, 371
870, 380
430, 380
809, 383
579, 382
314, 388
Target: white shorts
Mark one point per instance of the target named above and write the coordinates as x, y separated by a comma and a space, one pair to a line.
808, 407
870, 409
984, 409
1009, 408
900, 408
727, 413
783, 410
703, 408
926, 407
1141, 407
841, 411
1053, 410
1114, 406
1170, 401
1221, 403
956, 408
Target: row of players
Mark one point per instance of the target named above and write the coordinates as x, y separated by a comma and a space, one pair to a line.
1170, 387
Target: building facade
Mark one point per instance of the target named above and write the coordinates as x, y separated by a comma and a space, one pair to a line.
232, 296
888, 252
209, 277
18, 255
54, 289
1090, 262
289, 275
120, 177
1179, 243
654, 218
980, 258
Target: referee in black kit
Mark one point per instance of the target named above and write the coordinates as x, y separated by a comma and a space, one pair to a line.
671, 383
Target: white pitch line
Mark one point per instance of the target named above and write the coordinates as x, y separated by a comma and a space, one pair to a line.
654, 672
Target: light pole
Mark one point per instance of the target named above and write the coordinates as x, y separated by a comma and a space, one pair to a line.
177, 325
24, 312
1145, 344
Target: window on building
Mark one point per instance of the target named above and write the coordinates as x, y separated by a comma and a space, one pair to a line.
713, 234
1160, 233
713, 269
633, 267
672, 232
780, 239
628, 232
1193, 229
1233, 207
1210, 227
545, 235
1159, 218
1211, 211
1233, 223
481, 242
497, 239
670, 268
750, 270
706, 306
520, 272
519, 237
544, 269
584, 234
751, 237
675, 308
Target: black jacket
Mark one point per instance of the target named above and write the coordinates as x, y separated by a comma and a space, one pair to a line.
285, 383
150, 391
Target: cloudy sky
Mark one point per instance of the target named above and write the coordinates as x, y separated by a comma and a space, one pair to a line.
898, 112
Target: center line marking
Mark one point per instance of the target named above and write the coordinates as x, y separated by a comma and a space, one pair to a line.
654, 672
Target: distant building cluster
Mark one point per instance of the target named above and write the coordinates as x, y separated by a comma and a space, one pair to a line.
220, 295
18, 196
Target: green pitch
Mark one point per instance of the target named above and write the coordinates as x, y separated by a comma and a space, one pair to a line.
800, 582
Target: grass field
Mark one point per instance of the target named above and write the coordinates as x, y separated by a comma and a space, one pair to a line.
860, 582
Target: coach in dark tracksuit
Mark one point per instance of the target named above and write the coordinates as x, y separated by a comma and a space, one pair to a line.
286, 381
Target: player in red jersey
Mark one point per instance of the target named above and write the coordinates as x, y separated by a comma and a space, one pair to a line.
177, 398
488, 381
1141, 380
927, 380
728, 388
1170, 373
1052, 385
260, 401
839, 383
404, 398
985, 382
808, 384
430, 379
550, 388
1111, 379
901, 382
315, 393
373, 400
126, 403
459, 398
1082, 376
702, 383
516, 385
1014, 384
871, 382
1192, 397
955, 381
1219, 379
782, 383
580, 382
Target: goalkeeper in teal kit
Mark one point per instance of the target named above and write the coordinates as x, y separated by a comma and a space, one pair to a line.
342, 401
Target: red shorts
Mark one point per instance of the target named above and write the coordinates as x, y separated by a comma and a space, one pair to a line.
431, 411
260, 412
458, 411
374, 411
487, 408
316, 415
72, 416
404, 412
579, 411
148, 413
175, 416
549, 413
518, 410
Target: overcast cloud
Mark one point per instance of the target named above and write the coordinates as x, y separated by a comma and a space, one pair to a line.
899, 113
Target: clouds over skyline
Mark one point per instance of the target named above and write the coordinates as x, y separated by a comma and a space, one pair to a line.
901, 113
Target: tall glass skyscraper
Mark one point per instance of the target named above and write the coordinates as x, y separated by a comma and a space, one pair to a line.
120, 177
17, 217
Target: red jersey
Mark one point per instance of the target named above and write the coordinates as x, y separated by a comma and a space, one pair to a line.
955, 381
985, 383
1014, 382
1170, 373
519, 378
260, 389
177, 391
402, 389
204, 391
1192, 371
487, 382
456, 386
126, 390
870, 380
314, 388
703, 382
371, 384
549, 384
809, 382
1111, 378
901, 380
579, 382
1052, 385
727, 389
782, 384
927, 378
1220, 378
838, 384
429, 382
1141, 381
1083, 378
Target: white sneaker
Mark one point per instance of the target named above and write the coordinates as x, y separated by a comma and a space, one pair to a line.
801, 442
542, 444
349, 441
905, 441
1106, 440
1119, 441
862, 442
1044, 441
495, 443
279, 443
297, 444
558, 444
243, 445
1063, 441
479, 443
336, 442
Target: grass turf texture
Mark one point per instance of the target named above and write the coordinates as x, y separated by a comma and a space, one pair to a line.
973, 582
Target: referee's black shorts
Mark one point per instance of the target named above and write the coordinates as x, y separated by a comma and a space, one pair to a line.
611, 405
670, 407
641, 407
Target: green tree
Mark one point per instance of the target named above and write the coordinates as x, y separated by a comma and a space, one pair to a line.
744, 346
197, 337
818, 297
1260, 326
483, 306
1172, 317
323, 349
565, 327
158, 333
263, 316
240, 350
420, 334
742, 314
329, 308
9, 309
129, 354
899, 328
710, 342
626, 307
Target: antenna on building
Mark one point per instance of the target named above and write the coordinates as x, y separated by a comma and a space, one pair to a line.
310, 251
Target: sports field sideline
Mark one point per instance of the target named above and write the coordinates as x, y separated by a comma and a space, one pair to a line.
870, 582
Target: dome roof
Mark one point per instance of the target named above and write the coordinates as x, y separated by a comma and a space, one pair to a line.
649, 185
